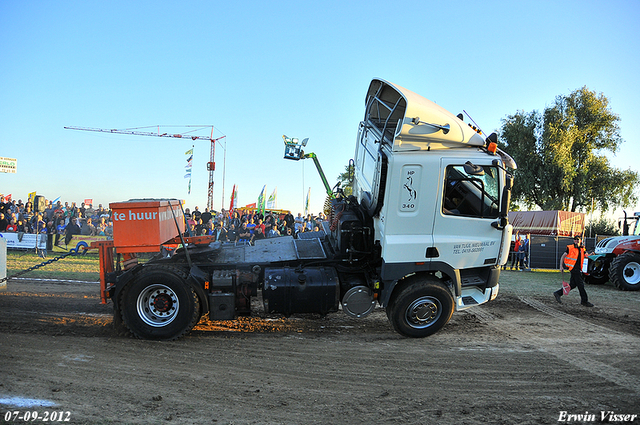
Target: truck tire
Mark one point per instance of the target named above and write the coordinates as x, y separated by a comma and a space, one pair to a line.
624, 271
159, 304
118, 325
421, 308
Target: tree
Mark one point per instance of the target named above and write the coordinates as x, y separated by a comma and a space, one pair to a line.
602, 226
346, 179
560, 155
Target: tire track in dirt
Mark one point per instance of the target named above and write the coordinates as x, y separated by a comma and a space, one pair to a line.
314, 370
570, 319
605, 342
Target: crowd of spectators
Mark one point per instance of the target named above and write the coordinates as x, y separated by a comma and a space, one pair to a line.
57, 219
66, 220
247, 226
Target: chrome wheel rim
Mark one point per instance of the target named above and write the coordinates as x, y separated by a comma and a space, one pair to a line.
158, 305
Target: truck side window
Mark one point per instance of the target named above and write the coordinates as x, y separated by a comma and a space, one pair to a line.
471, 196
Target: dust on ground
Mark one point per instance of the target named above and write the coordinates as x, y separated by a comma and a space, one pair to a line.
522, 359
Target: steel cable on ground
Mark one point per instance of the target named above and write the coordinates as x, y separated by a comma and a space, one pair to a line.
72, 252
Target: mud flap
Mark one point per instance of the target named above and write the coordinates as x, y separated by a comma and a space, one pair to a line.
197, 278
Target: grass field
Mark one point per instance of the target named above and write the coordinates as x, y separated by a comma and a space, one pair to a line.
78, 267
537, 283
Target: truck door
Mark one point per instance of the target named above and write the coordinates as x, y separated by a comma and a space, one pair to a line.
463, 232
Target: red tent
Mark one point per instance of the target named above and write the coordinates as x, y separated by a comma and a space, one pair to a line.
552, 223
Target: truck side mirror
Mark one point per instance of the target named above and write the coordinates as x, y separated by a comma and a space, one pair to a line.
506, 195
493, 138
351, 170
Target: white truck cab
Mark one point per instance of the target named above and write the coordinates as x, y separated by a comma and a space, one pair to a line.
437, 195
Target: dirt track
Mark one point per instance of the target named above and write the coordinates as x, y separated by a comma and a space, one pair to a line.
522, 359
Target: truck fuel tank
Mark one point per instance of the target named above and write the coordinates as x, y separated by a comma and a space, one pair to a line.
301, 290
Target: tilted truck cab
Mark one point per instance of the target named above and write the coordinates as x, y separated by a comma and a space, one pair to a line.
423, 234
436, 194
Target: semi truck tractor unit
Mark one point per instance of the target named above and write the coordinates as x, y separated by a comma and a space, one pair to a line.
423, 234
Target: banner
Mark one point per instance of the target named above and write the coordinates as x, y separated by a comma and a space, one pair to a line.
233, 204
75, 239
306, 204
25, 240
8, 165
189, 167
31, 197
261, 200
272, 202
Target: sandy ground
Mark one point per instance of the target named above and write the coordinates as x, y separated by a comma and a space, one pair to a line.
522, 359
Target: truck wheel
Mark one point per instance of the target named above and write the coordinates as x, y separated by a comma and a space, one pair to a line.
118, 325
421, 309
159, 304
625, 271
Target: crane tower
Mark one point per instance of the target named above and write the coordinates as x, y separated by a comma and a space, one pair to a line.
211, 165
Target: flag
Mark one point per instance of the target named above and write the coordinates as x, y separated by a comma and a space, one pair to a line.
234, 201
306, 204
189, 167
8, 198
31, 197
261, 200
272, 202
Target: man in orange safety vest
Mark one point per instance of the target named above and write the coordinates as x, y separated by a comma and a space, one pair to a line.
572, 259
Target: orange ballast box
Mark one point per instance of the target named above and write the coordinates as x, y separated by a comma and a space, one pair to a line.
142, 225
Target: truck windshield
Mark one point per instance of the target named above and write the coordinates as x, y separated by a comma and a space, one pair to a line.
471, 195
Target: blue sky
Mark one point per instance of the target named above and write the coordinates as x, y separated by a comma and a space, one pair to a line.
258, 70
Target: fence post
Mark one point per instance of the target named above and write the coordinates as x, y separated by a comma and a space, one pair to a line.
3, 263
